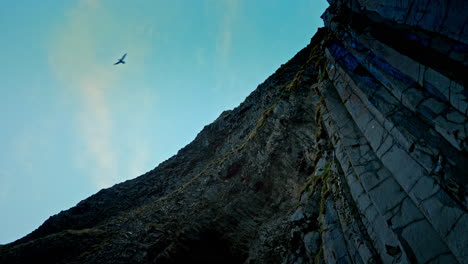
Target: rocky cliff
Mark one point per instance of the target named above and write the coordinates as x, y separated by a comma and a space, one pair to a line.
354, 151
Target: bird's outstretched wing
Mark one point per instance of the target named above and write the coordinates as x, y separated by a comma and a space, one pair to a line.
121, 60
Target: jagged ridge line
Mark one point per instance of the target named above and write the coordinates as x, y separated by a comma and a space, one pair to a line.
252, 134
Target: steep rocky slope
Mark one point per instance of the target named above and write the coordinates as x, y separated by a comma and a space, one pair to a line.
354, 151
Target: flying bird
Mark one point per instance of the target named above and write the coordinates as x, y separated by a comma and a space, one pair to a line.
121, 60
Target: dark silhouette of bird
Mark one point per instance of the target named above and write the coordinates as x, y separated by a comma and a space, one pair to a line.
121, 60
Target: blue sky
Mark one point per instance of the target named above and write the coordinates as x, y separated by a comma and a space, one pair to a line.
72, 123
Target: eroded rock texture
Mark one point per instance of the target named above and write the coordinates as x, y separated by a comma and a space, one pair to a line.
355, 151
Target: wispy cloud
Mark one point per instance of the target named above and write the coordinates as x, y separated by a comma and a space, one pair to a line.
74, 60
81, 55
227, 28
91, 3
230, 14
96, 126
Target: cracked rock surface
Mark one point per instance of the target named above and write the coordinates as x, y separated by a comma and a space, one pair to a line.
354, 151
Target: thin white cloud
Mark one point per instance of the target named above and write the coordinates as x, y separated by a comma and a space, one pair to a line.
227, 28
93, 28
73, 59
230, 14
97, 125
91, 3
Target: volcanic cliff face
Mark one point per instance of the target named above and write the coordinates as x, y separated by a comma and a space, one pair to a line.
354, 151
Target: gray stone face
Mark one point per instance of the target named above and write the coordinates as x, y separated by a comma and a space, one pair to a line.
439, 16
391, 100
332, 237
298, 215
459, 97
311, 243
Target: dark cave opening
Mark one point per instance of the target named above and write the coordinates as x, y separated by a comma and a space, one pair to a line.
207, 247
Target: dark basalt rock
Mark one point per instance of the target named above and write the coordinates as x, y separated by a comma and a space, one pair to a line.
354, 151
